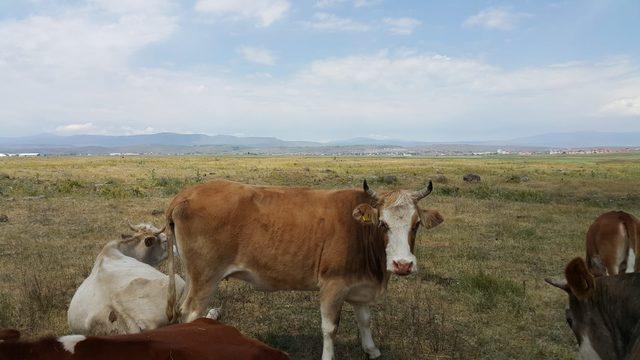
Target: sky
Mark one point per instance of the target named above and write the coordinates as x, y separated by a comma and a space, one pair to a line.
320, 69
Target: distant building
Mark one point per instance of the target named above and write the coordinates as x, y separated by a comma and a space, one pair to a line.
124, 154
3, 155
28, 154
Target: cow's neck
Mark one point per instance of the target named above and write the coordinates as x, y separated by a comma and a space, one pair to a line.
374, 258
618, 310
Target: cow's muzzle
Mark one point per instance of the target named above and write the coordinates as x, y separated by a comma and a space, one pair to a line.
402, 268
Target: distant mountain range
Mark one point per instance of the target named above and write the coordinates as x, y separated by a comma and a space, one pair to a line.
200, 143
170, 139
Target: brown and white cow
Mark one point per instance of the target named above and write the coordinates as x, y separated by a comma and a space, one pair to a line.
603, 312
344, 243
202, 339
612, 244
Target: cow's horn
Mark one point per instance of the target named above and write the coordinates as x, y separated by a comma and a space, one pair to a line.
132, 227
160, 231
371, 193
417, 195
560, 284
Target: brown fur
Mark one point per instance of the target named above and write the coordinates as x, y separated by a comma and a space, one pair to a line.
431, 218
581, 282
232, 211
9, 334
608, 242
199, 340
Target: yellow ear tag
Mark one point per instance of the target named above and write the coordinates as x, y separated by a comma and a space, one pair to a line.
365, 218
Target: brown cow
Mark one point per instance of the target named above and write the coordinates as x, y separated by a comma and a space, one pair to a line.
202, 339
612, 244
344, 243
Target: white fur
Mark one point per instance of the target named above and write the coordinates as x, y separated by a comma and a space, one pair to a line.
214, 313
631, 261
363, 318
132, 290
587, 352
69, 342
398, 218
328, 327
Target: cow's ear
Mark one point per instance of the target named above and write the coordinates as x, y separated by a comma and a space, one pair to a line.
430, 218
366, 214
581, 282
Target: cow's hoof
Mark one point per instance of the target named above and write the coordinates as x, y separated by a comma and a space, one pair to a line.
214, 313
373, 353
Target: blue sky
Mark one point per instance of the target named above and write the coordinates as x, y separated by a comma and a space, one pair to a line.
320, 69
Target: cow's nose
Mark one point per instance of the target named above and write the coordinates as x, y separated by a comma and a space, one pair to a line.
402, 268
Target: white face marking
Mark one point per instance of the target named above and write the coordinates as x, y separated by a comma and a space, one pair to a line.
398, 219
631, 261
586, 351
69, 342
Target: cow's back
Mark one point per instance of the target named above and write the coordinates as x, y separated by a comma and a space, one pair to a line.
278, 232
609, 240
202, 339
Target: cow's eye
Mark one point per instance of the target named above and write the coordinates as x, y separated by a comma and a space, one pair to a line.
149, 241
383, 225
568, 317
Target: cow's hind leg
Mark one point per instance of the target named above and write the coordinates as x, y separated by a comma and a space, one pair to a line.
331, 300
199, 294
363, 318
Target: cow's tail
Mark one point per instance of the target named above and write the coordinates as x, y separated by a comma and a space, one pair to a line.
171, 311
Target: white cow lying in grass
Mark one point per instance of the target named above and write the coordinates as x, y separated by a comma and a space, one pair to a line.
124, 294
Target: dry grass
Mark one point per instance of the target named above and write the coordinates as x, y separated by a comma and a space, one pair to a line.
479, 294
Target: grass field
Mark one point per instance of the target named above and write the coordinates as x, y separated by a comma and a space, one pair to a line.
479, 294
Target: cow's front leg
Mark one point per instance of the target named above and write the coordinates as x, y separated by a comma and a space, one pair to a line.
363, 318
331, 301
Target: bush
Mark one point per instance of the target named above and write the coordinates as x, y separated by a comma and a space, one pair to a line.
68, 186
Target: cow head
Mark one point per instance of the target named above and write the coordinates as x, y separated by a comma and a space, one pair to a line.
583, 317
148, 244
398, 216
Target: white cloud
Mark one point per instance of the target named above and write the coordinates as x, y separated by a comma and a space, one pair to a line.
134, 6
76, 69
332, 23
75, 41
356, 3
623, 107
266, 12
496, 18
328, 3
70, 129
257, 55
402, 26
363, 3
